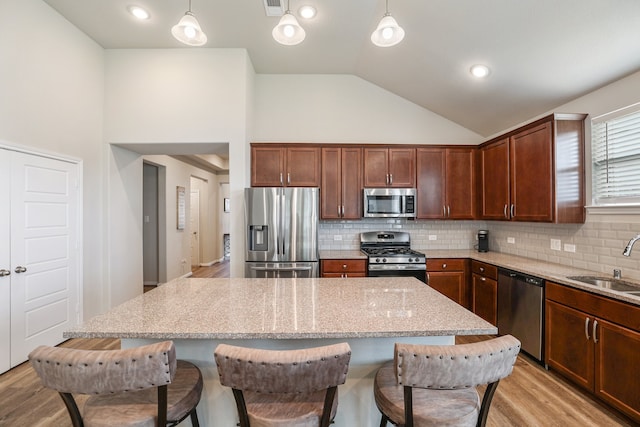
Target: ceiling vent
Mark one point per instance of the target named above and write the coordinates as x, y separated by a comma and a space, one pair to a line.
274, 7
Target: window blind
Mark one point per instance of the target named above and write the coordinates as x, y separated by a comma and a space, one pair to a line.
615, 153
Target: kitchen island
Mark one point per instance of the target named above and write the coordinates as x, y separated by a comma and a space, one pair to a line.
371, 314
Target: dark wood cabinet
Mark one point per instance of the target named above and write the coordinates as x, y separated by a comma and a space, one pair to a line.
531, 175
449, 277
446, 183
275, 165
389, 167
341, 186
343, 268
494, 180
535, 173
595, 342
484, 291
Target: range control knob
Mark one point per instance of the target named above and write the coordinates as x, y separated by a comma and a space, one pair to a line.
384, 260
377, 259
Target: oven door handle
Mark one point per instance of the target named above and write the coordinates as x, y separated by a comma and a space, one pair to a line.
397, 267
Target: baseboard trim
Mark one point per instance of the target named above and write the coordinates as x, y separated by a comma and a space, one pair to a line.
210, 263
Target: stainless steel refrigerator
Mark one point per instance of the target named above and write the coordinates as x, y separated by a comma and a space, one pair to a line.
281, 232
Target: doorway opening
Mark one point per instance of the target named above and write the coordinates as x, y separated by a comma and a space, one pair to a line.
150, 226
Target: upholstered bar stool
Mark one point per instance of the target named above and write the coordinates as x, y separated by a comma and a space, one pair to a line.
292, 388
143, 386
436, 385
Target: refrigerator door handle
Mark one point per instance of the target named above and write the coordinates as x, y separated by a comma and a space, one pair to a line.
282, 221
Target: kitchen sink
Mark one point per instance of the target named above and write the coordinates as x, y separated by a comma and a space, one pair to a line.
609, 283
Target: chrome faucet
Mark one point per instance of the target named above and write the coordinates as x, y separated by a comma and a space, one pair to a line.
627, 250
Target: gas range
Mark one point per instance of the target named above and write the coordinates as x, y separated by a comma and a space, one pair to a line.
389, 254
394, 255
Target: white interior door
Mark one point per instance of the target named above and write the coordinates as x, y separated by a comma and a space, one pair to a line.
194, 222
45, 251
5, 263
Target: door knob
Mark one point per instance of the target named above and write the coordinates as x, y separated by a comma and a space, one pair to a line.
4, 272
20, 269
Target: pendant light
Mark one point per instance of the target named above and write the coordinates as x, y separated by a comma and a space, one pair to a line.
188, 30
288, 31
388, 33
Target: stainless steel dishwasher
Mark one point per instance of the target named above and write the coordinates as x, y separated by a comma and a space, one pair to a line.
521, 310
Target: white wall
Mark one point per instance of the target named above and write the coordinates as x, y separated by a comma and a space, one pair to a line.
51, 96
123, 232
345, 108
183, 96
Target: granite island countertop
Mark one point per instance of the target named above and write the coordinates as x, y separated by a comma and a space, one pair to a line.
556, 273
285, 309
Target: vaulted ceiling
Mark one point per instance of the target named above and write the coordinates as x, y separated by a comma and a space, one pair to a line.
542, 53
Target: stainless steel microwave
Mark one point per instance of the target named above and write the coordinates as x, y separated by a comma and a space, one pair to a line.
389, 202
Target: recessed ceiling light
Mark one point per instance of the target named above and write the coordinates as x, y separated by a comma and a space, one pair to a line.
138, 12
480, 71
307, 12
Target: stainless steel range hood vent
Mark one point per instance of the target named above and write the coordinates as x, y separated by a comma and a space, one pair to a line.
274, 7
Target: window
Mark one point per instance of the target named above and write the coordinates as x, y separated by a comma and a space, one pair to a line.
615, 153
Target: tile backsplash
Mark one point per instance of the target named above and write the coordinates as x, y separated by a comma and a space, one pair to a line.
596, 245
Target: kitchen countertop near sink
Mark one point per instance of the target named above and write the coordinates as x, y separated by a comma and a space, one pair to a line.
546, 270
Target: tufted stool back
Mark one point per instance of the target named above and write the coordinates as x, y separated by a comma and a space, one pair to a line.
122, 384
284, 388
436, 385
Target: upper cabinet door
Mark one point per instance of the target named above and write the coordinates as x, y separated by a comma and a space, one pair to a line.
376, 167
267, 166
303, 167
431, 165
402, 167
352, 183
460, 183
532, 174
494, 159
331, 188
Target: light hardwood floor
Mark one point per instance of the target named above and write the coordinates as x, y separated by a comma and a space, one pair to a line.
531, 396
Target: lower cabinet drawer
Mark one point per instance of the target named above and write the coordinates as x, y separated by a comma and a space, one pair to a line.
446, 264
483, 269
337, 267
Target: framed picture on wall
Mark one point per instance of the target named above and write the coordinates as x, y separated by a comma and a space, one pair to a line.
181, 207
227, 205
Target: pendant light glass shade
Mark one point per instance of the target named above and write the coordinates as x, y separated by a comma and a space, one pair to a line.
288, 31
388, 33
188, 30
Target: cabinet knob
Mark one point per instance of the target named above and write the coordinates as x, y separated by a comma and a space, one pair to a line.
20, 269
482, 269
444, 265
344, 266
4, 272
